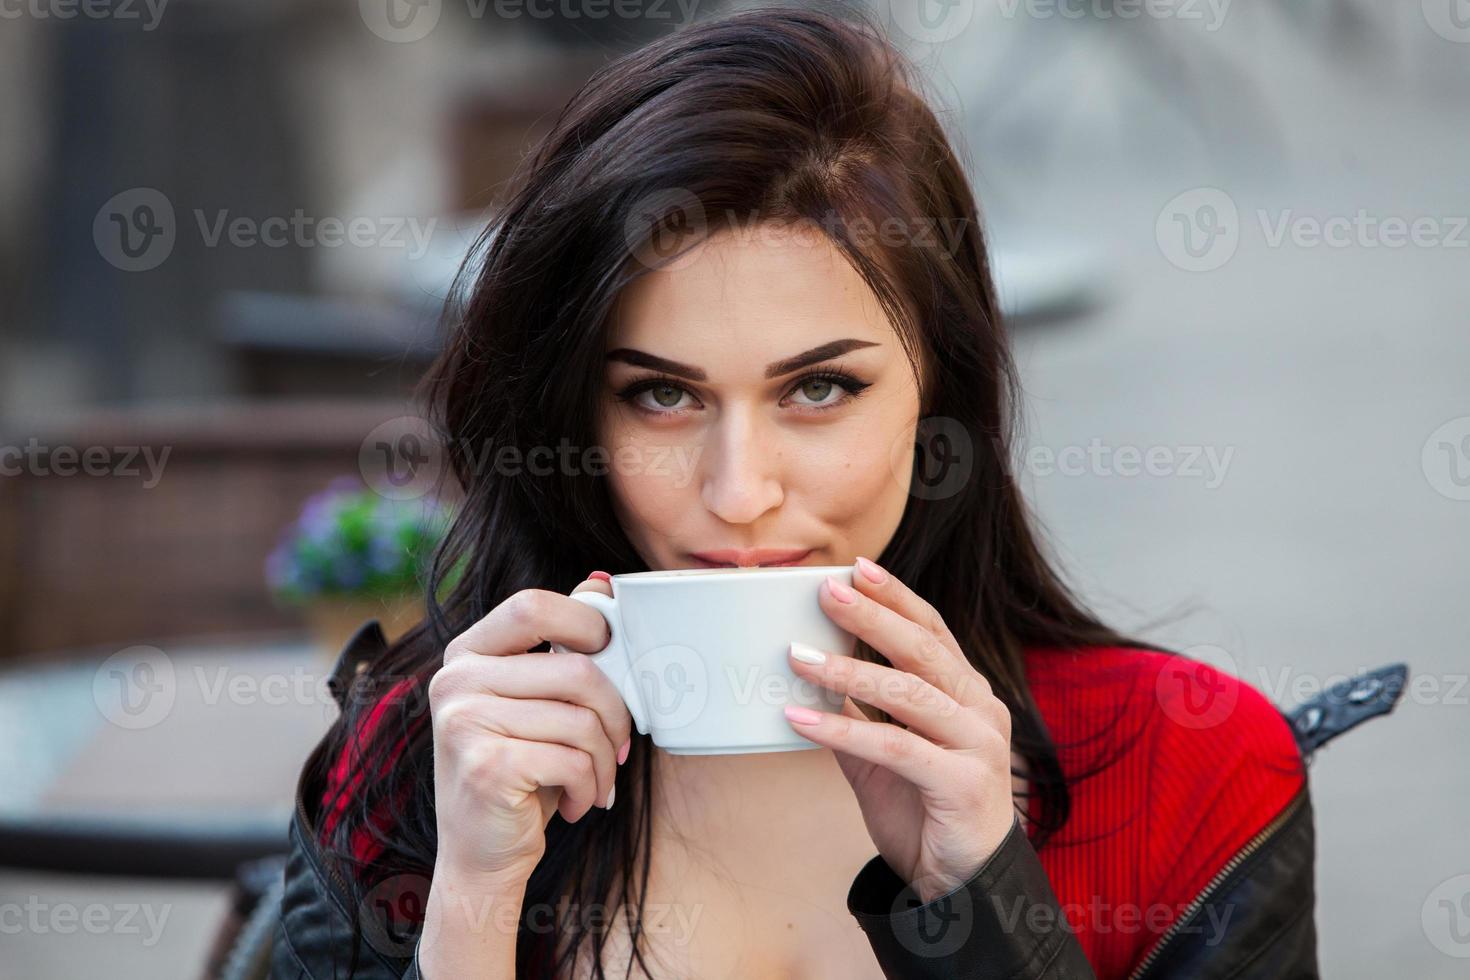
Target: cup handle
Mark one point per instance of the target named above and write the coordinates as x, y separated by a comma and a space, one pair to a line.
613, 659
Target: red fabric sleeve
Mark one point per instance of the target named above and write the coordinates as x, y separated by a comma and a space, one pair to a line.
1191, 763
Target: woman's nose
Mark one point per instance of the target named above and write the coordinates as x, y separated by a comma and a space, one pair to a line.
741, 471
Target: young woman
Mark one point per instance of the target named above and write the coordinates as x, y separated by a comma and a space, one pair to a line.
739, 301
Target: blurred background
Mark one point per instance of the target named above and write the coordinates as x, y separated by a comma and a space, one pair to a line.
1232, 238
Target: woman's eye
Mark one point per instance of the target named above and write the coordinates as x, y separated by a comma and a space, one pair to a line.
668, 397
817, 391
665, 395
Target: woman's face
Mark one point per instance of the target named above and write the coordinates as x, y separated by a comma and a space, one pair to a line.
758, 407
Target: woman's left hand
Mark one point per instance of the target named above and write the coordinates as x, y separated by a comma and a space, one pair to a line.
935, 795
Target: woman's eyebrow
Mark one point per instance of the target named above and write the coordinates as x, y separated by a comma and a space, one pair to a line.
816, 355
639, 358
824, 352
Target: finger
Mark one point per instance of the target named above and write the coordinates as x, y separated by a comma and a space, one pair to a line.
882, 586
852, 766
596, 582
568, 677
527, 619
572, 725
903, 752
906, 697
906, 644
551, 764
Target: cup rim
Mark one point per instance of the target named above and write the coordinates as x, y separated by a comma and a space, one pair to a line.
694, 574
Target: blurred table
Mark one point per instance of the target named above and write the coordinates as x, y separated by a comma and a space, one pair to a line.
198, 744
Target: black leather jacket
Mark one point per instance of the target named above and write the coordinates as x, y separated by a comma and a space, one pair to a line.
1265, 891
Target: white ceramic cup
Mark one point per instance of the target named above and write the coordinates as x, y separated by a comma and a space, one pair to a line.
699, 655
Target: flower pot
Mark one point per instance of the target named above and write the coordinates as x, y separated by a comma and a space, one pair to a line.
333, 619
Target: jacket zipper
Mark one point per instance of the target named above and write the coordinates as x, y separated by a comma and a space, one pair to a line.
1251, 846
337, 890
308, 830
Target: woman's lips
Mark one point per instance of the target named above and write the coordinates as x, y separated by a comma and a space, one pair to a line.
750, 557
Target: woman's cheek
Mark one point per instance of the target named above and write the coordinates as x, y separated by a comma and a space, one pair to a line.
888, 467
651, 479
644, 495
851, 479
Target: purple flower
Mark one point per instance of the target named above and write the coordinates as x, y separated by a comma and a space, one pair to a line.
347, 539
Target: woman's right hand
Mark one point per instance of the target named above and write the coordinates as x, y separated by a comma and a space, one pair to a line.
518, 736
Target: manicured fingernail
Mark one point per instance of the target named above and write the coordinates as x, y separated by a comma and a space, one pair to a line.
839, 591
803, 716
870, 571
623, 752
602, 575
807, 655
611, 795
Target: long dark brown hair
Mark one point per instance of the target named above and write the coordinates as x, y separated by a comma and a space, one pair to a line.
770, 115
